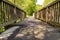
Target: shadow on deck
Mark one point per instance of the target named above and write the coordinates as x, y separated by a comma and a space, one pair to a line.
34, 31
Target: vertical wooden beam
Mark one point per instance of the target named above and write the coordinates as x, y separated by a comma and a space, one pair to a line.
3, 13
46, 14
0, 12
41, 14
50, 13
9, 12
59, 11
54, 14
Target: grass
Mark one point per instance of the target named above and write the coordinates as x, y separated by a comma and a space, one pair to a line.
2, 29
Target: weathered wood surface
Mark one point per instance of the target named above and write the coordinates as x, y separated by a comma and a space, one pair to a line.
31, 29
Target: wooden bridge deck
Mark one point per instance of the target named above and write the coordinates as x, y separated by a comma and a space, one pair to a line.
31, 29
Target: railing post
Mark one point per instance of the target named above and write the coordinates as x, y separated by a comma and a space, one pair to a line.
47, 15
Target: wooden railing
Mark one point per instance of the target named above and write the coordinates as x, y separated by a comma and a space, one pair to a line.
50, 13
10, 13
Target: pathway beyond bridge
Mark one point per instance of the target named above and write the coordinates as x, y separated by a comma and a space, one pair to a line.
33, 29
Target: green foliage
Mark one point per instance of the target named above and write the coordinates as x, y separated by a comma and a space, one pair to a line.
38, 7
46, 2
2, 29
27, 5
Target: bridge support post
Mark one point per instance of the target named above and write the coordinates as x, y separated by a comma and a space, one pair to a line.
46, 15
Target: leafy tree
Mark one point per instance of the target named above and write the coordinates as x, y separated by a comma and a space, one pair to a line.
47, 2
38, 7
27, 5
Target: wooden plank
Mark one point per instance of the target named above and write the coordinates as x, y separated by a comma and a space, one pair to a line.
58, 12
46, 14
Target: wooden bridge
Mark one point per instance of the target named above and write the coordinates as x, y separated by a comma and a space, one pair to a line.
19, 27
